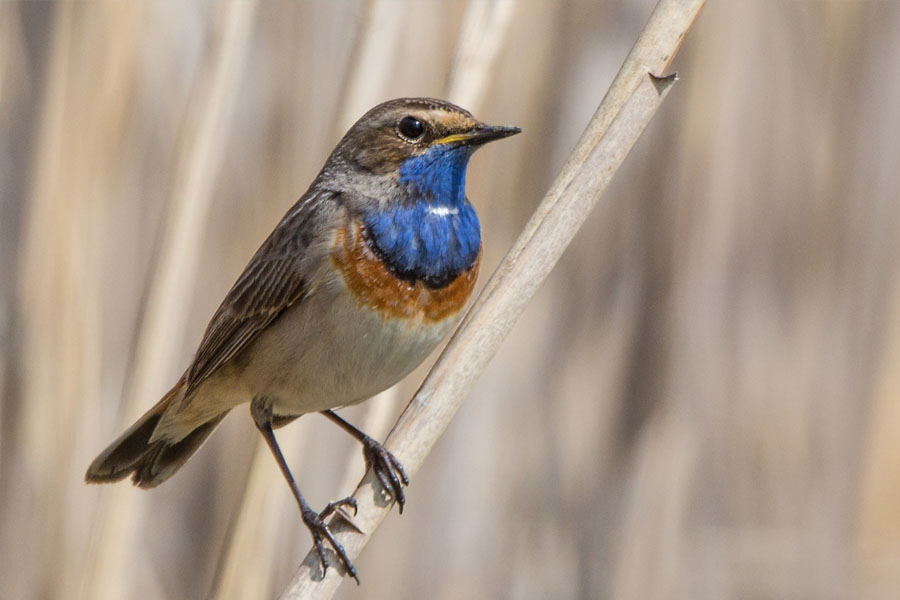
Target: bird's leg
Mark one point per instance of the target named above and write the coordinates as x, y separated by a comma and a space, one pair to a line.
261, 410
386, 466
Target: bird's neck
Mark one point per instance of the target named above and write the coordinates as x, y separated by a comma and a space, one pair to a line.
430, 233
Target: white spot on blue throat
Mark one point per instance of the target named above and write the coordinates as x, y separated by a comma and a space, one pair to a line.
442, 211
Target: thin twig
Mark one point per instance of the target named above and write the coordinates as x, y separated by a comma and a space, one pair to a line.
629, 105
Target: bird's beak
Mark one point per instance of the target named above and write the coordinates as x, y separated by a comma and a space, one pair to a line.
480, 135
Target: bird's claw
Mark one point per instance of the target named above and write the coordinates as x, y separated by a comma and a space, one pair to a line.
337, 508
387, 468
318, 529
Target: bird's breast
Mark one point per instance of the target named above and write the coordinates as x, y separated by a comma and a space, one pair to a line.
373, 285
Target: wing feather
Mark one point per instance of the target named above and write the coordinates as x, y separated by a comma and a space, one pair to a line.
277, 277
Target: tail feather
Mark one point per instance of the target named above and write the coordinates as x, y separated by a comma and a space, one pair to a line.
148, 463
163, 458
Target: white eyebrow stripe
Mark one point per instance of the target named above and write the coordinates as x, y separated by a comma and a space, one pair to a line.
443, 211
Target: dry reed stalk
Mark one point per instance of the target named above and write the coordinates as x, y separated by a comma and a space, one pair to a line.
657, 492
43, 280
60, 295
480, 39
371, 61
878, 535
166, 312
628, 107
245, 565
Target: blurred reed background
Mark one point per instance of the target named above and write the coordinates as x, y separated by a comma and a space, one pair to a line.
702, 401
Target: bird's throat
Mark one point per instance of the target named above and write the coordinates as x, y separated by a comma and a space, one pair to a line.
430, 233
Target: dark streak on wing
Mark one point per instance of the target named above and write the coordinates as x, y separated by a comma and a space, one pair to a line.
275, 278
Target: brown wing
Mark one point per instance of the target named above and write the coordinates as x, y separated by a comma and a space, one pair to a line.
275, 278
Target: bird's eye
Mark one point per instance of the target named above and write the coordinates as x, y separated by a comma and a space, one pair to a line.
411, 128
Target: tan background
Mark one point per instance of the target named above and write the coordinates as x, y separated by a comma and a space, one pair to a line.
702, 402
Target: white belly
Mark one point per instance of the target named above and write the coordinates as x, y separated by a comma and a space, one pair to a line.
329, 351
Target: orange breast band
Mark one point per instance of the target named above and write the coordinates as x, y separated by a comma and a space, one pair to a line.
369, 279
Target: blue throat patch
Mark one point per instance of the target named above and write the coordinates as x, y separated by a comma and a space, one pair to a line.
432, 234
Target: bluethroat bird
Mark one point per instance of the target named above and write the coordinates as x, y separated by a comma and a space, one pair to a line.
352, 290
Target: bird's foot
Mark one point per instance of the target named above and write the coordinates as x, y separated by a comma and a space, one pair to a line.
319, 530
387, 468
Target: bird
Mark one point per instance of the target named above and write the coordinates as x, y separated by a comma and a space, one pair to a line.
360, 280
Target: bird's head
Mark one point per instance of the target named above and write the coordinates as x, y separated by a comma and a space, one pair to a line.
420, 145
402, 167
